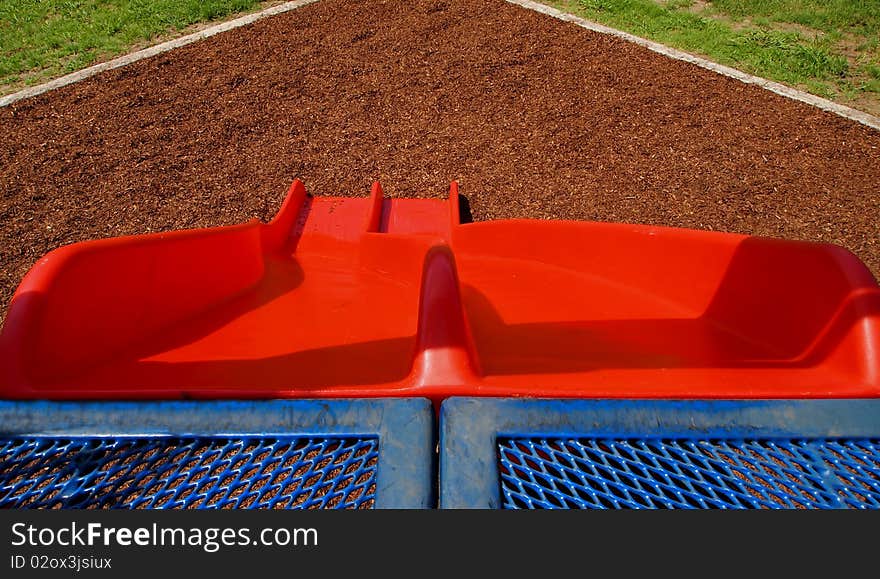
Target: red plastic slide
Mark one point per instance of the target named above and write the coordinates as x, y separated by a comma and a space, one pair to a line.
342, 297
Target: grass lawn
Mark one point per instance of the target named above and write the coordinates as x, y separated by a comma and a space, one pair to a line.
827, 47
43, 39
830, 48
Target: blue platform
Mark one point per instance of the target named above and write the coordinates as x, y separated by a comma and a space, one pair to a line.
519, 453
262, 454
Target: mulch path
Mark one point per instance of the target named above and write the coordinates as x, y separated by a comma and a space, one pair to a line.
535, 118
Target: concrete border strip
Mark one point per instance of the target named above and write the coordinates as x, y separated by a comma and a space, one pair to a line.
780, 89
151, 51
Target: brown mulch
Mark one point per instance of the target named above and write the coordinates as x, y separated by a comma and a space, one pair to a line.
535, 118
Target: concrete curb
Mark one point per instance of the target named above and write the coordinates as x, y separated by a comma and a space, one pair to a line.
780, 89
151, 51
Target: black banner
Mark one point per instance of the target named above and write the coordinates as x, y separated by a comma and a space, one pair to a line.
246, 543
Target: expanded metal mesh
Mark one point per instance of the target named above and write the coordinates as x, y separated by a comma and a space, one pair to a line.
689, 474
196, 472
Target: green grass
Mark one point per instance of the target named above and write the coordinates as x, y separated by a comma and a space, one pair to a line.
828, 47
830, 16
40, 39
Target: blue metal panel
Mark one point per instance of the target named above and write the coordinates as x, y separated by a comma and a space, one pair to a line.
599, 473
282, 454
510, 453
173, 473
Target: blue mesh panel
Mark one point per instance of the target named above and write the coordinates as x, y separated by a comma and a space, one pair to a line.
687, 474
198, 472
